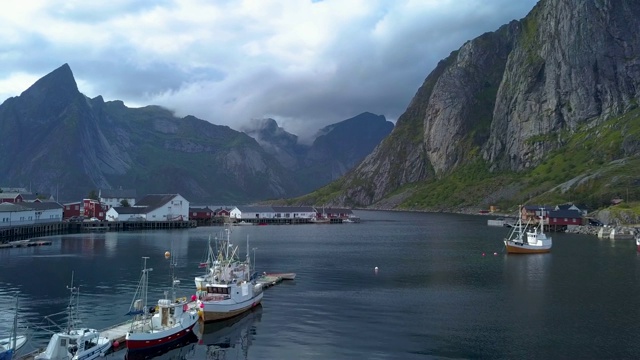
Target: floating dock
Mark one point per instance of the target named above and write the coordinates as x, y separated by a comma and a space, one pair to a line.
24, 243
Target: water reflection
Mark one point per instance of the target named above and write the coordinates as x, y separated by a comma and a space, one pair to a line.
231, 338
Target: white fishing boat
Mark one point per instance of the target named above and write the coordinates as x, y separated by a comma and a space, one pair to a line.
230, 290
523, 241
213, 263
158, 328
9, 346
73, 343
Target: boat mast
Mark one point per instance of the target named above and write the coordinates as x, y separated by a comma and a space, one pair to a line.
145, 285
70, 313
14, 333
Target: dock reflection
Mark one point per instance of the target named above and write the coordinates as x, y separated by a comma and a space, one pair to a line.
231, 338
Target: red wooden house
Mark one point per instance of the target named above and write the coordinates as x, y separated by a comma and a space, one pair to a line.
11, 198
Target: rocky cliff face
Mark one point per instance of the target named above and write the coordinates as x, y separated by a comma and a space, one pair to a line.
573, 62
510, 96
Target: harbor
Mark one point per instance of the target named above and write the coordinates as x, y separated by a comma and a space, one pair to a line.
116, 334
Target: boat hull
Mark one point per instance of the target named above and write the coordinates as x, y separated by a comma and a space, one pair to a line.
221, 310
146, 341
522, 248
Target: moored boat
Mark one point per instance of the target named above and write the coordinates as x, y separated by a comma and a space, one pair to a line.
229, 290
523, 241
74, 343
637, 237
170, 321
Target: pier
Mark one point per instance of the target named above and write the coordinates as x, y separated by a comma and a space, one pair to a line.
24, 232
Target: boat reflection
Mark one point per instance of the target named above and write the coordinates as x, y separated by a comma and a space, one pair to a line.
231, 338
184, 349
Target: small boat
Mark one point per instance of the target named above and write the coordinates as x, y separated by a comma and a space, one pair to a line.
74, 343
319, 220
243, 223
9, 346
161, 327
347, 221
522, 241
229, 289
637, 237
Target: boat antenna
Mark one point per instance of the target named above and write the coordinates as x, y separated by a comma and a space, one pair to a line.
73, 291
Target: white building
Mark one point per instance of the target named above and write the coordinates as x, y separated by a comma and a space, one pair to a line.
115, 197
122, 213
16, 215
293, 212
252, 212
45, 212
165, 207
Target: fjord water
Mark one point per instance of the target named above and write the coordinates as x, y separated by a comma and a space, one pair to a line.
434, 295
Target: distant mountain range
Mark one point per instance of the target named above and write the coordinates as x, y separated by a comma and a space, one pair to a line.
56, 140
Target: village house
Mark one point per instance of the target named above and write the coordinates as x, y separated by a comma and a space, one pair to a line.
201, 215
115, 197
11, 197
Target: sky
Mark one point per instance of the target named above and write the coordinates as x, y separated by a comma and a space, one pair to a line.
306, 64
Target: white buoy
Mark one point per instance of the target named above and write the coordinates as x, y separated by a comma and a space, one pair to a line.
375, 268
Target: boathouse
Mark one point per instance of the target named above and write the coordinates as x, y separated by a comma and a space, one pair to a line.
126, 213
165, 207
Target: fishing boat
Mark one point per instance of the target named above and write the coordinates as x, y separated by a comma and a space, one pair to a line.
153, 329
523, 241
230, 290
73, 343
213, 263
14, 342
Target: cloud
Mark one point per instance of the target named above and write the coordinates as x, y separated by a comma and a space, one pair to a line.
306, 64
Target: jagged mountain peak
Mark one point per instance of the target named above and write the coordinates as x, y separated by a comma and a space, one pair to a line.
60, 80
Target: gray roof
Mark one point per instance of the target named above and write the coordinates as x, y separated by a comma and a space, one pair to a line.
128, 210
200, 209
11, 207
292, 209
569, 214
46, 205
257, 209
154, 201
117, 193
335, 211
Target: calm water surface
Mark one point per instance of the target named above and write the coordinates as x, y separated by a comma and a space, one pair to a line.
435, 296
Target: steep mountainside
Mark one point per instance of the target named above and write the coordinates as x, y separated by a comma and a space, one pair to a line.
336, 149
508, 100
57, 140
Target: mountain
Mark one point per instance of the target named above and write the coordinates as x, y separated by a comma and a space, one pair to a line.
535, 108
337, 148
67, 144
